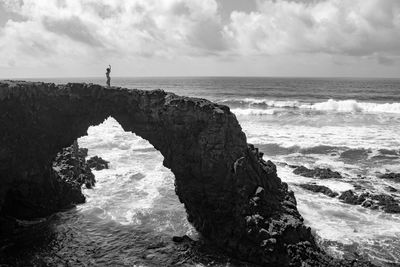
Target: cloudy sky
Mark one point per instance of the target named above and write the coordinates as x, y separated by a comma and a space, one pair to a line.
78, 38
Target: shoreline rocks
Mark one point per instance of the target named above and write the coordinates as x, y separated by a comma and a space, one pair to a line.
319, 189
69, 171
383, 202
321, 173
395, 177
97, 163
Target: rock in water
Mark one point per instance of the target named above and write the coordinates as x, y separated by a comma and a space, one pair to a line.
316, 173
97, 163
231, 195
395, 177
71, 166
373, 201
319, 189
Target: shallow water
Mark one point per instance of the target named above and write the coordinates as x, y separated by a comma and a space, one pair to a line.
349, 125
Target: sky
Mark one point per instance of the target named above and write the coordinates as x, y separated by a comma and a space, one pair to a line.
296, 38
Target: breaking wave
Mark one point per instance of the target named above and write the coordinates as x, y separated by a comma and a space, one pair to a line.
354, 106
254, 106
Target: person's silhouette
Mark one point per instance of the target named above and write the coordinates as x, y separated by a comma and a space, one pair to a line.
108, 70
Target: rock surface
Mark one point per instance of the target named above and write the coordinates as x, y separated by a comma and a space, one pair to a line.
319, 189
97, 163
373, 201
395, 177
320, 173
69, 171
232, 196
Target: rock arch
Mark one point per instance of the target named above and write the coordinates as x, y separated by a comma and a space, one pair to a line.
232, 196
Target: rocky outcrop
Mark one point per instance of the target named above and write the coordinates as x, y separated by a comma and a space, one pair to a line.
68, 172
372, 201
232, 196
395, 177
71, 166
97, 163
319, 189
321, 173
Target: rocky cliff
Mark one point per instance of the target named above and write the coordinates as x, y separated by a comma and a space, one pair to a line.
232, 196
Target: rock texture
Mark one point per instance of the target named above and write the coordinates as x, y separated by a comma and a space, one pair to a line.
97, 163
395, 177
68, 172
319, 189
320, 173
232, 196
372, 201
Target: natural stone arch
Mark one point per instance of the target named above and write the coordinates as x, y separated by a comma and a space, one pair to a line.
232, 196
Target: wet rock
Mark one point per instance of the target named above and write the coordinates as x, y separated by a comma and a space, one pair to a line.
59, 189
71, 166
395, 177
383, 202
319, 189
350, 197
97, 163
322, 173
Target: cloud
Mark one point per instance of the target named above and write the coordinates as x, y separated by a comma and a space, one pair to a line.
354, 28
113, 28
82, 31
73, 28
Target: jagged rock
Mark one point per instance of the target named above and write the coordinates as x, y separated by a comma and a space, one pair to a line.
218, 176
322, 173
395, 177
97, 163
350, 197
319, 189
373, 201
71, 166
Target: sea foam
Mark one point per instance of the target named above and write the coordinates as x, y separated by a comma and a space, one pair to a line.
354, 106
252, 106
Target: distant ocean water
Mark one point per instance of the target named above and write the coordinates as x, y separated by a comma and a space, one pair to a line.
349, 125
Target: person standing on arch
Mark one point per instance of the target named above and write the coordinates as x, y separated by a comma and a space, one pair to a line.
108, 70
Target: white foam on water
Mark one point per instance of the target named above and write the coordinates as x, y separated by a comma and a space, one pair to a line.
273, 103
249, 111
307, 136
350, 105
337, 221
131, 184
262, 102
354, 106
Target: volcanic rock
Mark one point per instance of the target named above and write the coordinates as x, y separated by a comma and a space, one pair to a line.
319, 189
395, 177
322, 173
373, 201
97, 163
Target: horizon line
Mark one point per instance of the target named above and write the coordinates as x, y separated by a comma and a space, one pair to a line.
204, 76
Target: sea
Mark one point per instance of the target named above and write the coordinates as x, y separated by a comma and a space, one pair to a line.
350, 125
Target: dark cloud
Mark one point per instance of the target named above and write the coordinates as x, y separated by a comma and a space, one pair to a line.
8, 14
73, 27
